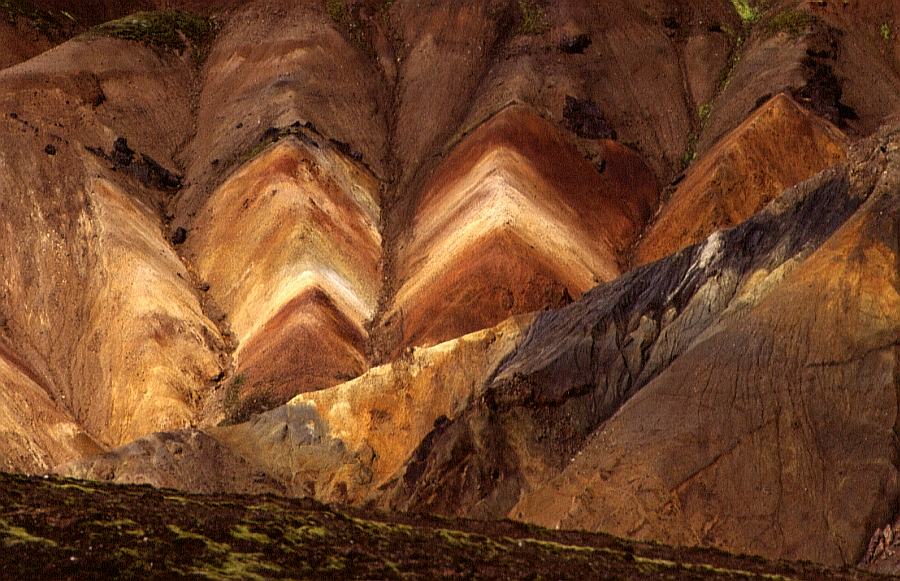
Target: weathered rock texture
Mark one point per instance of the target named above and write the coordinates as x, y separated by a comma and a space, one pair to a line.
631, 270
741, 393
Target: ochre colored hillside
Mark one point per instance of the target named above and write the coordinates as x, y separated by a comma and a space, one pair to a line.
629, 268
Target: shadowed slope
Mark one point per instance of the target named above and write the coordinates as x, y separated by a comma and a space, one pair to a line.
458, 66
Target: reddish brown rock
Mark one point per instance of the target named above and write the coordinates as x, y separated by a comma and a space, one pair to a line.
741, 174
515, 220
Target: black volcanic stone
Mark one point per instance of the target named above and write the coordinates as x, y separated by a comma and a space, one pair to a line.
575, 44
179, 236
585, 118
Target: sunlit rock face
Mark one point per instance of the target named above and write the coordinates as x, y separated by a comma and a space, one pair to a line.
705, 396
515, 219
747, 169
342, 443
290, 248
630, 270
98, 311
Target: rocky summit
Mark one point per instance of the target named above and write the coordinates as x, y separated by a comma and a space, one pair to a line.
495, 288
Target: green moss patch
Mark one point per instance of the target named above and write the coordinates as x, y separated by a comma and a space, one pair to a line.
11, 535
747, 10
166, 29
792, 22
534, 19
41, 20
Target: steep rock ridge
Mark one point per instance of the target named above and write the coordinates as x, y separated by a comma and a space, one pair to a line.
831, 57
337, 444
290, 247
804, 460
460, 66
515, 220
741, 174
157, 361
380, 415
702, 399
651, 407
96, 304
457, 67
254, 80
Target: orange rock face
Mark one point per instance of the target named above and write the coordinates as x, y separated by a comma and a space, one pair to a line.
415, 255
741, 174
290, 248
515, 220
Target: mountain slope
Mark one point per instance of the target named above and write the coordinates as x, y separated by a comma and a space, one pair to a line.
632, 270
715, 382
514, 220
741, 174
138, 531
718, 386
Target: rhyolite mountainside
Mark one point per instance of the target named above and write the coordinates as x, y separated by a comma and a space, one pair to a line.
630, 268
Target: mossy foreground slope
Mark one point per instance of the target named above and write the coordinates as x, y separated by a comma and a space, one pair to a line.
62, 528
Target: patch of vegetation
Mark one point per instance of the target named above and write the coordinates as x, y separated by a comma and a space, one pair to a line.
211, 545
12, 535
725, 75
41, 20
335, 564
534, 19
73, 486
792, 22
734, 57
243, 533
302, 534
126, 525
886, 31
346, 16
690, 152
746, 9
238, 566
167, 30
704, 112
